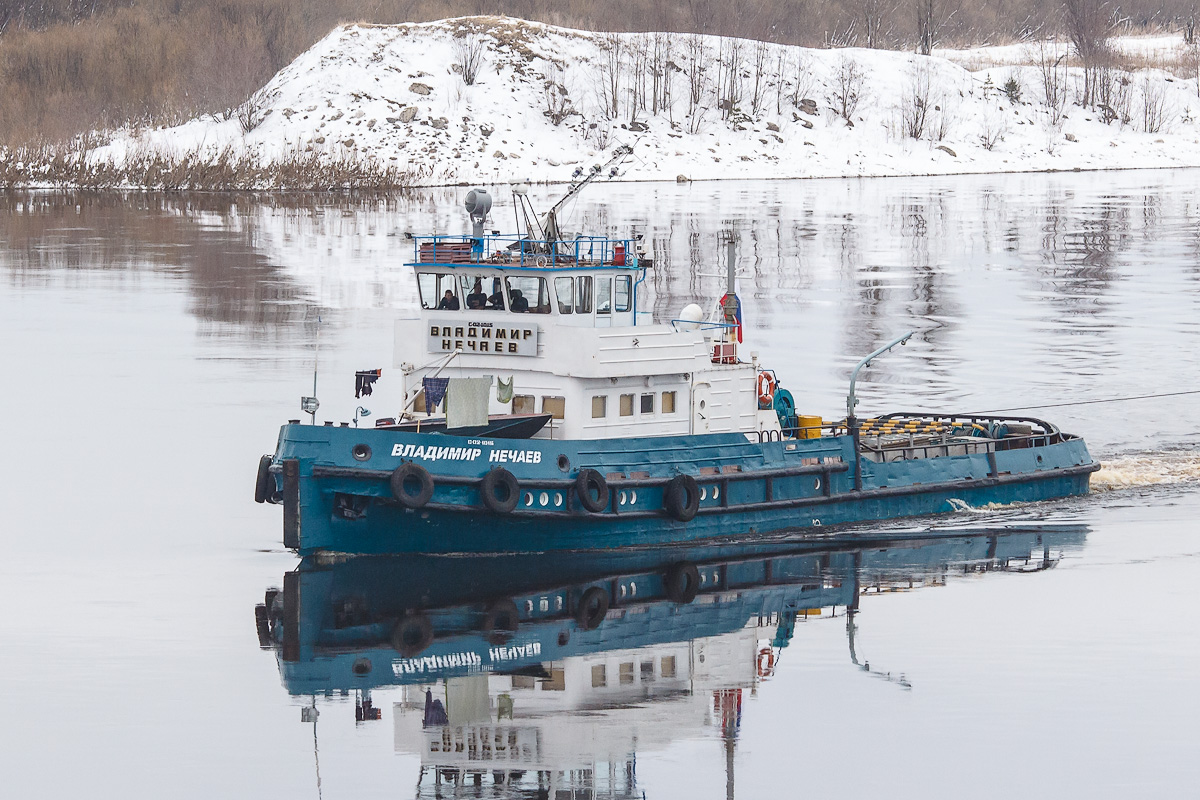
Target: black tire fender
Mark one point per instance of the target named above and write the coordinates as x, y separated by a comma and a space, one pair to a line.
681, 498
499, 491
681, 583
592, 608
264, 486
501, 621
587, 482
412, 485
412, 634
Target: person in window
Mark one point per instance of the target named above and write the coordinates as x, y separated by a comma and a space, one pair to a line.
519, 304
477, 299
496, 301
449, 302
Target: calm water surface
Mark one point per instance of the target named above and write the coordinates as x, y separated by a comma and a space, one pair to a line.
151, 347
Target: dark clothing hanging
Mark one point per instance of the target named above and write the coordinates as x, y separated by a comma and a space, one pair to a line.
363, 380
435, 391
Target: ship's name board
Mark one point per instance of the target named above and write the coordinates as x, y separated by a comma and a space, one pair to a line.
485, 338
435, 453
495, 655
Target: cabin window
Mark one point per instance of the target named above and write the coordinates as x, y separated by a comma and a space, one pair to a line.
438, 290
556, 406
598, 677
583, 294
647, 668
666, 667
528, 294
626, 405
557, 682
603, 295
668, 402
626, 672
648, 403
483, 292
623, 296
564, 290
599, 406
523, 404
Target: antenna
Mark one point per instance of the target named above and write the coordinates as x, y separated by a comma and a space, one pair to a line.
309, 405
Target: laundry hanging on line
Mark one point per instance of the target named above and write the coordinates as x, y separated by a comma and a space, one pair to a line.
467, 402
363, 379
435, 390
504, 390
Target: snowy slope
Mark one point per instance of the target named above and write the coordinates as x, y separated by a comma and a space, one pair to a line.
394, 94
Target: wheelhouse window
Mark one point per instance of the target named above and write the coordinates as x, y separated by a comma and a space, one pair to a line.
438, 290
555, 406
626, 405
668, 402
528, 294
524, 404
623, 293
564, 292
603, 295
583, 294
482, 292
599, 406
648, 403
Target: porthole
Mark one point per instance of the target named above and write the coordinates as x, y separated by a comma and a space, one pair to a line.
528, 606
362, 666
716, 492
558, 499
632, 589
623, 590
703, 492
361, 452
564, 463
544, 499
624, 498
528, 499
817, 484
632, 498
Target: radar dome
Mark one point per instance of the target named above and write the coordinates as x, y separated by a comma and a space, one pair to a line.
691, 315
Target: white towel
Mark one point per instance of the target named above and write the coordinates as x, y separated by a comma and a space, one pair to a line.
467, 402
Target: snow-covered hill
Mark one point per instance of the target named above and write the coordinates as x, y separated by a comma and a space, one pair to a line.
547, 98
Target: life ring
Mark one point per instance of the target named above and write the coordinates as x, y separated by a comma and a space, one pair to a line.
592, 608
765, 663
499, 491
592, 490
681, 498
412, 485
264, 486
412, 635
500, 621
682, 583
766, 389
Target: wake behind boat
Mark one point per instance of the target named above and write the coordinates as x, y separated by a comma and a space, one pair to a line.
544, 409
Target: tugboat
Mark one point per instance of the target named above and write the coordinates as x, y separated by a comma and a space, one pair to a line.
544, 409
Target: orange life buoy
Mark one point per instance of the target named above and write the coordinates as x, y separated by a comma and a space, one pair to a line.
766, 389
766, 662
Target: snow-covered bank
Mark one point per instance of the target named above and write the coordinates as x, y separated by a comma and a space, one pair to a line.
547, 98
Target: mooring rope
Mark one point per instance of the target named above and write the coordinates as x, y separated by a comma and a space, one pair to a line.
1090, 402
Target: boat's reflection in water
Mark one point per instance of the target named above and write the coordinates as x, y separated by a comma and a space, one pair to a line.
548, 673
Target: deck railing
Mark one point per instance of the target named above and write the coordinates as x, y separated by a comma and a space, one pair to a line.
510, 250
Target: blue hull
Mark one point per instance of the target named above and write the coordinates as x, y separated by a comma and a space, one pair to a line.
334, 485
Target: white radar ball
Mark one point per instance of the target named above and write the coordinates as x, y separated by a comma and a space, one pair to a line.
692, 315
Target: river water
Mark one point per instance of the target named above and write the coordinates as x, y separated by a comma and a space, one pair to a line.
151, 347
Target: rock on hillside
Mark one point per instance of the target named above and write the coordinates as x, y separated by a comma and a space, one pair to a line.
546, 98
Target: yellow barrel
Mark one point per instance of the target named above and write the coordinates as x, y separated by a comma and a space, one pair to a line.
810, 427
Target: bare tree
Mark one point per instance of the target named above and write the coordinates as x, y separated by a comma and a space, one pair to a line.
915, 105
848, 88
468, 57
612, 59
1154, 105
1089, 25
874, 14
926, 27
1053, 72
993, 127
697, 62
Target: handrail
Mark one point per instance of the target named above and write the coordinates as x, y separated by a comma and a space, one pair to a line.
507, 250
